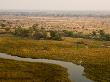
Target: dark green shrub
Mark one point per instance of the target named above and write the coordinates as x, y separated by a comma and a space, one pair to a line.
55, 35
68, 33
21, 32
38, 35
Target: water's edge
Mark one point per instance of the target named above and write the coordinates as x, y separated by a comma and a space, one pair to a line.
75, 71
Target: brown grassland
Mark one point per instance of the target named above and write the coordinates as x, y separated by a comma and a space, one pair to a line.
95, 55
79, 24
16, 71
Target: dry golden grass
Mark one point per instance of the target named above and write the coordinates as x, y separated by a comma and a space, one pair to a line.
14, 71
80, 24
95, 55
62, 50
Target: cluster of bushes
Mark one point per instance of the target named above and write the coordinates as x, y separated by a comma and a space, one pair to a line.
37, 33
40, 33
4, 26
73, 34
99, 35
55, 35
68, 33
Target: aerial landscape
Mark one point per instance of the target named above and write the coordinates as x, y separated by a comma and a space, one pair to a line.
54, 45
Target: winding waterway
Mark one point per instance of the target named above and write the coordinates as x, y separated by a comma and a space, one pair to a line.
75, 71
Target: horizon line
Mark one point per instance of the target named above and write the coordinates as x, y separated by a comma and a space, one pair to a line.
49, 10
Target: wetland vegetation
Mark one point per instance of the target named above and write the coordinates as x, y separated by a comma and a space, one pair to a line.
16, 71
90, 51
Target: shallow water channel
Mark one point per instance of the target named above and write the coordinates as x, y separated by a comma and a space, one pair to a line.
75, 71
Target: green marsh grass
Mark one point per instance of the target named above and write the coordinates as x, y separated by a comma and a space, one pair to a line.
16, 71
95, 55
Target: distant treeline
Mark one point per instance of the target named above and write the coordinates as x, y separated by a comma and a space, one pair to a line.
38, 32
58, 13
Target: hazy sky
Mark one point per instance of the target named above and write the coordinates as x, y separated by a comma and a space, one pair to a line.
55, 4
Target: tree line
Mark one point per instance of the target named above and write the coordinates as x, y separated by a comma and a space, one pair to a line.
37, 32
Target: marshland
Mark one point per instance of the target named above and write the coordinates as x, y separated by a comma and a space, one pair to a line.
84, 41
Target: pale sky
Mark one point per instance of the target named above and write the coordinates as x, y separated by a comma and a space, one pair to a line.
55, 4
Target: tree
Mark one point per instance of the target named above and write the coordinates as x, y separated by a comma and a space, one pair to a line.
3, 25
68, 33
100, 35
35, 27
94, 35
55, 35
101, 32
38, 35
103, 35
7, 29
19, 31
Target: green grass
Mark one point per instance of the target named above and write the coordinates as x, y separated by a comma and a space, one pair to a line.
15, 71
95, 54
